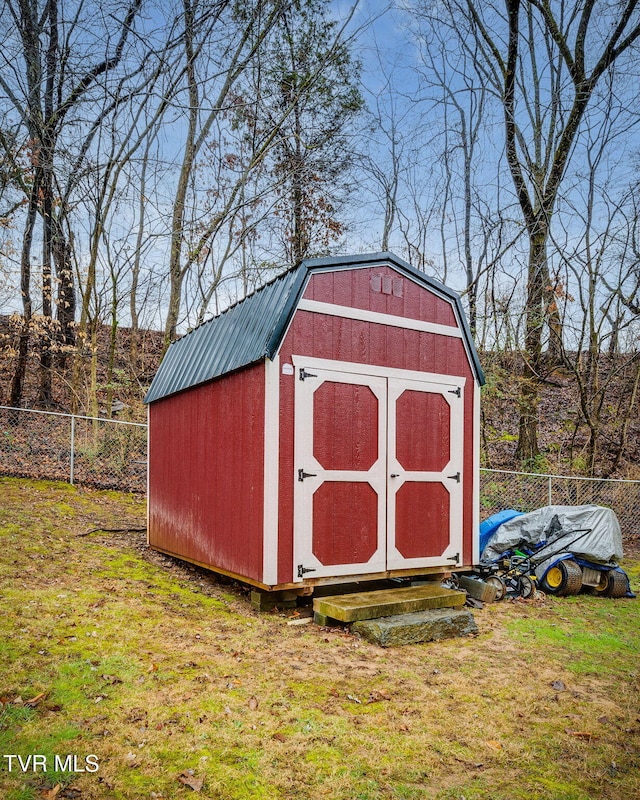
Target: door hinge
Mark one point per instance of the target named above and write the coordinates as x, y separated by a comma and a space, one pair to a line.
302, 475
456, 391
304, 374
302, 571
455, 558
455, 477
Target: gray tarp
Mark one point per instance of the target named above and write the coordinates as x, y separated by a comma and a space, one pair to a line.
602, 545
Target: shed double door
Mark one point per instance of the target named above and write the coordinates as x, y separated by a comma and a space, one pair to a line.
378, 481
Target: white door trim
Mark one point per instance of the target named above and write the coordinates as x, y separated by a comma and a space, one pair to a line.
395, 559
476, 474
271, 470
375, 476
357, 368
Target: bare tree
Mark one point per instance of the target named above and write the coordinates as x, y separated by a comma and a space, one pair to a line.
47, 75
594, 319
388, 149
238, 34
544, 62
241, 123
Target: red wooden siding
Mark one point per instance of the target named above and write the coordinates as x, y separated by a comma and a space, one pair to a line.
420, 411
337, 445
422, 519
345, 522
206, 467
359, 288
343, 339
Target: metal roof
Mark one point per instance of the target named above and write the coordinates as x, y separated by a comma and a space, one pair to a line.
253, 328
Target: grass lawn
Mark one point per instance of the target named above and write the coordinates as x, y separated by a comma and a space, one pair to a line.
159, 681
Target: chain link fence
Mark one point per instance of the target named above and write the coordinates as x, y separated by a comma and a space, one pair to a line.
525, 491
104, 453
112, 454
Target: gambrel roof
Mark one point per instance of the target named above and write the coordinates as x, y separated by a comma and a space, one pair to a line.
253, 328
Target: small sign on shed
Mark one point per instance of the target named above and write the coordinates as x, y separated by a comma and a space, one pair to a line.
323, 429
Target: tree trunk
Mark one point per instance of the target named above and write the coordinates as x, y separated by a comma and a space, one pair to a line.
527, 450
66, 299
554, 321
17, 381
176, 271
45, 393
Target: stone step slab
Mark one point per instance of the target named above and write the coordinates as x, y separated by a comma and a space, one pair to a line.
420, 626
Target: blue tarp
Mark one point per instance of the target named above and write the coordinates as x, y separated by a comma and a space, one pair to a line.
491, 525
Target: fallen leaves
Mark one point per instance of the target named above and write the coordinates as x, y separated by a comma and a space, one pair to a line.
136, 715
19, 702
112, 680
36, 700
378, 696
188, 778
132, 760
586, 736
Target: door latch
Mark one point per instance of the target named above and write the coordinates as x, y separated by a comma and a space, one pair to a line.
455, 477
302, 475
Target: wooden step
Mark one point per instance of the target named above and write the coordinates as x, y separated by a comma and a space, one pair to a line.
386, 602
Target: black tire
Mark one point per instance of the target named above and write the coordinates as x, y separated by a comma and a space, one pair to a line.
527, 586
562, 579
617, 583
498, 584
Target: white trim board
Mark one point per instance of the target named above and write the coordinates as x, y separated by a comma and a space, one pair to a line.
476, 475
271, 470
375, 369
349, 312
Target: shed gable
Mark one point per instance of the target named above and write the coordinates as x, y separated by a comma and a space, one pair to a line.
381, 289
254, 328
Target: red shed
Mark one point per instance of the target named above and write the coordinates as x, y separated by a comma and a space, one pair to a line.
323, 429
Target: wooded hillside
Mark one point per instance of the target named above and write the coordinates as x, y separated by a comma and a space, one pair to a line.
118, 372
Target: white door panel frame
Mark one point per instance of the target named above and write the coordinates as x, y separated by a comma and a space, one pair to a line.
316, 474
387, 385
455, 402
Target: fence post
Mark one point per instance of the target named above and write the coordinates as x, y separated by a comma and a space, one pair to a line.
549, 491
73, 447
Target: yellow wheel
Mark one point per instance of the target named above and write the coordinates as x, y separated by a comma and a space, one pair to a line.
562, 578
553, 578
